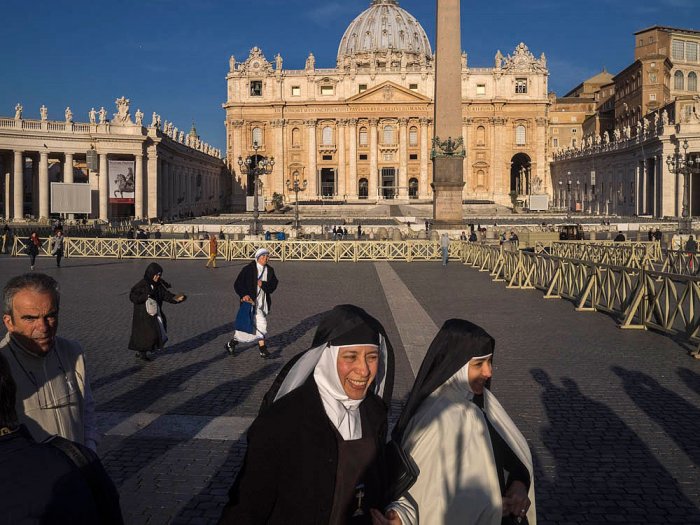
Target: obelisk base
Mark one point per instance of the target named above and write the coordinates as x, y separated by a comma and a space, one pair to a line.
447, 192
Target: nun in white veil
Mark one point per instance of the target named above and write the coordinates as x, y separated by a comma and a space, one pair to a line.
316, 450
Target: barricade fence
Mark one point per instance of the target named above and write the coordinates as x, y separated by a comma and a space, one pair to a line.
639, 297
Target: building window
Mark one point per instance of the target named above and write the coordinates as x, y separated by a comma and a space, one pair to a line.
555, 143
389, 135
363, 156
296, 91
692, 81
326, 90
678, 80
257, 136
480, 136
413, 136
362, 188
677, 50
521, 85
574, 131
295, 138
363, 137
256, 88
652, 97
520, 135
652, 78
413, 87
481, 89
362, 88
327, 136
413, 156
327, 157
691, 51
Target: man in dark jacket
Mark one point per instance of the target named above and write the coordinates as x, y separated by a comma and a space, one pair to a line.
54, 482
254, 285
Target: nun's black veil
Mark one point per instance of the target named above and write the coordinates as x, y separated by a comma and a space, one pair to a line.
343, 325
455, 344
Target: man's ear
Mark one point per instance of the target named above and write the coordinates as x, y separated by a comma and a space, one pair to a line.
7, 319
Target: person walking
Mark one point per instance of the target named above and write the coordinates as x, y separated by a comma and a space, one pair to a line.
57, 246
213, 250
255, 285
149, 325
316, 450
475, 465
6, 236
33, 247
445, 248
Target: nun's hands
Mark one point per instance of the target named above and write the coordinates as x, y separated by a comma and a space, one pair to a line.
516, 502
390, 518
246, 299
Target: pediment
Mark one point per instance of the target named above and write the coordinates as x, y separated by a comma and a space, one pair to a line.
388, 93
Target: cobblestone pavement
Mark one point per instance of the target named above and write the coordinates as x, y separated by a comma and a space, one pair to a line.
612, 416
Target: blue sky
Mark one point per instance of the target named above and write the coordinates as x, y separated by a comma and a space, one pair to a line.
171, 56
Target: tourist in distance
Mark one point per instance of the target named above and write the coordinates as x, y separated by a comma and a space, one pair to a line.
33, 247
316, 450
149, 325
57, 242
213, 250
254, 285
462, 440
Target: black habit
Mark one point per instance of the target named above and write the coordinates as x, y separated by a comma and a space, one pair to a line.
247, 282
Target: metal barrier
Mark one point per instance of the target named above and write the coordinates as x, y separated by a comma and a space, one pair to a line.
640, 298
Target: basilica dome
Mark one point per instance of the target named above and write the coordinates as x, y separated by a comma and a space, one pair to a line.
384, 27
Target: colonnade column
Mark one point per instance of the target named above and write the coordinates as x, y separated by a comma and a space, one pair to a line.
68, 169
104, 187
373, 160
351, 180
138, 187
341, 183
152, 210
403, 158
541, 123
44, 185
424, 156
312, 175
8, 192
18, 185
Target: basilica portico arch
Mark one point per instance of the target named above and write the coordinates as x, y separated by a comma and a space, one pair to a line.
520, 173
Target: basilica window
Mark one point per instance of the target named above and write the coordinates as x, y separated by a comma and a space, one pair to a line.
480, 136
413, 87
296, 135
326, 90
652, 97
327, 136
555, 142
389, 135
521, 85
678, 80
678, 48
481, 89
363, 137
692, 81
362, 88
296, 91
257, 136
691, 51
256, 88
413, 156
413, 136
520, 135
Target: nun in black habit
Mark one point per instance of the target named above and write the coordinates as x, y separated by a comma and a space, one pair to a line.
316, 450
475, 465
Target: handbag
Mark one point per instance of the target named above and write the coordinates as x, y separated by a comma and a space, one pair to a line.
151, 306
403, 471
245, 319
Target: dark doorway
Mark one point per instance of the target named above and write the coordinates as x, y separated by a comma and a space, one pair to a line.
327, 182
413, 188
388, 183
250, 188
520, 174
362, 188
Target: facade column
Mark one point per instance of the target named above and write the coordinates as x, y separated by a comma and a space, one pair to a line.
18, 185
312, 175
497, 166
277, 177
44, 185
7, 178
35, 185
665, 191
468, 184
373, 192
351, 179
424, 156
104, 187
541, 159
403, 158
341, 183
138, 187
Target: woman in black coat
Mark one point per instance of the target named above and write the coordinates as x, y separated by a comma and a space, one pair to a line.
316, 450
148, 329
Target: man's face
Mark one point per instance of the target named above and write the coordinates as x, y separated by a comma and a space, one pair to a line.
357, 368
479, 372
34, 320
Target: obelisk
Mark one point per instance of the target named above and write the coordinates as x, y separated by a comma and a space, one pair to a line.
448, 147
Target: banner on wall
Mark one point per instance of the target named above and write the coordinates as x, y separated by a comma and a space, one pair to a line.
121, 181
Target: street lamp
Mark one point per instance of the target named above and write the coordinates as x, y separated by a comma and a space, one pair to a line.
568, 194
561, 196
296, 187
579, 198
256, 165
681, 164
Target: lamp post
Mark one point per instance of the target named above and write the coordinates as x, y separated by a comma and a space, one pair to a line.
681, 164
579, 197
561, 196
295, 186
568, 194
256, 165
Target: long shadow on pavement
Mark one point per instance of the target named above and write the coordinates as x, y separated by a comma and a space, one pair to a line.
670, 411
111, 378
691, 379
603, 471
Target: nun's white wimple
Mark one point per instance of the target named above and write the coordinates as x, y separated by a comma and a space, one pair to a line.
261, 251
